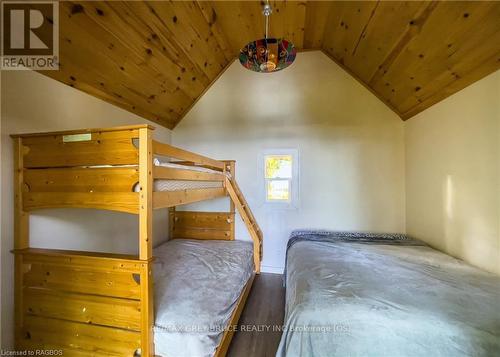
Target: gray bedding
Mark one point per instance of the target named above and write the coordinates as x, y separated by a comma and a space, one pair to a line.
197, 284
356, 296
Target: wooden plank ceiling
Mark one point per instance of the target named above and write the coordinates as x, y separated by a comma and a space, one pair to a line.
156, 59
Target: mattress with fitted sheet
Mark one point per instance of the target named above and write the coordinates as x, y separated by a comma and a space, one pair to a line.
197, 286
178, 185
358, 294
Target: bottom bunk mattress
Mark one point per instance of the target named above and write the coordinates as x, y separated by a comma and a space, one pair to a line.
197, 285
374, 295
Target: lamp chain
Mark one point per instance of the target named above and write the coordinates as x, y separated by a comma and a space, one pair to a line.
267, 11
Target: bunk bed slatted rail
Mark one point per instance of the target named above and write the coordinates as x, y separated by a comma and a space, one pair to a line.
180, 154
70, 169
165, 173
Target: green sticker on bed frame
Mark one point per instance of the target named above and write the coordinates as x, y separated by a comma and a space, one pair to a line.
77, 137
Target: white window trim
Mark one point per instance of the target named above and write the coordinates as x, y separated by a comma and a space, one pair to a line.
293, 202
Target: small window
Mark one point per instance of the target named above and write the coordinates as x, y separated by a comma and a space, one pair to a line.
278, 175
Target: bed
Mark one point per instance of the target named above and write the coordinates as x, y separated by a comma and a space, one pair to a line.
197, 286
90, 303
355, 294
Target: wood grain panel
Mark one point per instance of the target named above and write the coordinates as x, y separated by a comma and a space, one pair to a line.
377, 39
317, 15
132, 129
84, 308
78, 280
147, 309
81, 259
202, 234
345, 28
127, 202
240, 21
117, 179
413, 54
81, 272
102, 148
89, 168
468, 45
81, 302
151, 58
213, 220
157, 58
174, 198
201, 225
21, 217
94, 339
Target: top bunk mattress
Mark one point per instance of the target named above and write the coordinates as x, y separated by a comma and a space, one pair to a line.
197, 285
385, 295
178, 185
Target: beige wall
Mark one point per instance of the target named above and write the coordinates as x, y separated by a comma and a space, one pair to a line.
452, 174
350, 146
34, 103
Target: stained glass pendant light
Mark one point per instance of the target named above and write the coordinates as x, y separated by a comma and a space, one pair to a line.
268, 54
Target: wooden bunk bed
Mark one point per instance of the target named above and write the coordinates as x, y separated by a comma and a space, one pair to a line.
111, 169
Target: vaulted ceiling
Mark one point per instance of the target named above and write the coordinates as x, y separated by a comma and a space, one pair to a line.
156, 59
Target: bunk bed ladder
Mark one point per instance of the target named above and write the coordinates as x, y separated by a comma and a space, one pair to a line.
248, 218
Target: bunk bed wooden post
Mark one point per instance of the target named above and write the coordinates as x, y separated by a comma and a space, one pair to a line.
231, 168
146, 239
146, 194
21, 235
21, 218
171, 222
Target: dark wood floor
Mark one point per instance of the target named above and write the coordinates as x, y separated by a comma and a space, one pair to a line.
265, 308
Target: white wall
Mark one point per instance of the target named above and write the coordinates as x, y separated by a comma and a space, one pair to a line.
34, 103
453, 174
351, 147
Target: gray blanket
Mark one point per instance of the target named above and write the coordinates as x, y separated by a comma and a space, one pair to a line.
385, 297
197, 284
